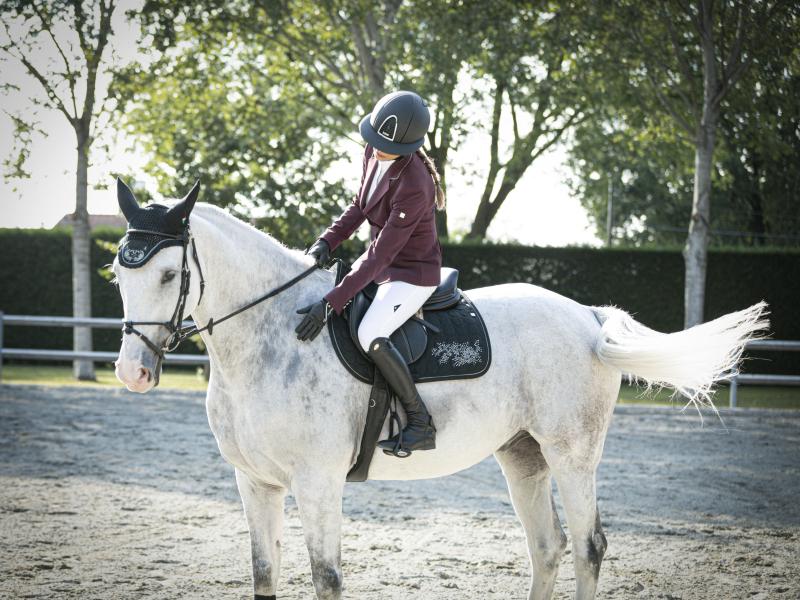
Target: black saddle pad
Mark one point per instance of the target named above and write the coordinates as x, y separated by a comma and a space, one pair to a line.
460, 351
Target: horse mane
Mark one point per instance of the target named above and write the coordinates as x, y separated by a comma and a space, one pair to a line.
214, 213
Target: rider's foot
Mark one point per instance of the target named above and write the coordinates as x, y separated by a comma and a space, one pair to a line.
419, 434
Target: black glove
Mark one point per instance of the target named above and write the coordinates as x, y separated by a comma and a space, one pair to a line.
321, 252
315, 317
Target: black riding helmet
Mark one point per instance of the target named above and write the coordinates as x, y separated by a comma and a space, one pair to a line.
397, 124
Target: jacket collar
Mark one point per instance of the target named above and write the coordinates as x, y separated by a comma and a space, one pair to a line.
391, 174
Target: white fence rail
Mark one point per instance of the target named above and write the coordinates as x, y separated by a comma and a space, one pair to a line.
756, 379
70, 355
202, 359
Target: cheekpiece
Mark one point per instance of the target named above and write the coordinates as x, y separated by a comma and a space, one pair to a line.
148, 232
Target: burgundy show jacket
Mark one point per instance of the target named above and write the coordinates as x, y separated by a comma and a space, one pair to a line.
404, 245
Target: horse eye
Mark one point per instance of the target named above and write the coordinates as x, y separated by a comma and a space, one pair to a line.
167, 276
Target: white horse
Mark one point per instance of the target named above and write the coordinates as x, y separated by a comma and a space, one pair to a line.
289, 417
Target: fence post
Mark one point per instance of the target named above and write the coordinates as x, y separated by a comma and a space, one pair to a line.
1, 346
734, 389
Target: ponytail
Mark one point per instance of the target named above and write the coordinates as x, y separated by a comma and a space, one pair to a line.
440, 200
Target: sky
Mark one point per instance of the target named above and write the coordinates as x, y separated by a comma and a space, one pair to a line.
540, 211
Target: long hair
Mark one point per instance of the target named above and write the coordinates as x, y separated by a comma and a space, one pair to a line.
440, 199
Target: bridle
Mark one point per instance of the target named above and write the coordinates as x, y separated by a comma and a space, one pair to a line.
177, 331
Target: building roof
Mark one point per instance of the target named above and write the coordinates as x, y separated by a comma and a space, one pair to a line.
95, 221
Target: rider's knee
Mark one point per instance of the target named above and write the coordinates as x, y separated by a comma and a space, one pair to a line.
365, 337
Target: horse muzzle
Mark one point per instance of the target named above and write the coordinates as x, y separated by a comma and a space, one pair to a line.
139, 373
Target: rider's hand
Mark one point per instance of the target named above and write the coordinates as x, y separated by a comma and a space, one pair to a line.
321, 252
315, 317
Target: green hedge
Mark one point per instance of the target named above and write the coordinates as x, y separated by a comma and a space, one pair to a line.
36, 276
35, 279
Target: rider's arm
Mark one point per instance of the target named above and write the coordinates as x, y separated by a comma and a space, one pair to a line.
344, 226
406, 211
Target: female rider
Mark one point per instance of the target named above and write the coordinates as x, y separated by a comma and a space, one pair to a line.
399, 193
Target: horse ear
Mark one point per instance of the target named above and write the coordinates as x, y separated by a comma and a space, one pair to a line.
181, 211
127, 201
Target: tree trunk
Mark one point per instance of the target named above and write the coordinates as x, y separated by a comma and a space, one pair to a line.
81, 265
480, 224
488, 210
695, 252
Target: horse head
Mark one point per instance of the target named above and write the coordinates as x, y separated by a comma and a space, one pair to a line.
159, 285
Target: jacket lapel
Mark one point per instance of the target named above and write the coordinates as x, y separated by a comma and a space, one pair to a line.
372, 166
383, 185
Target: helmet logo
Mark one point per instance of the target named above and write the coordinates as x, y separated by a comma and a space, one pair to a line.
388, 128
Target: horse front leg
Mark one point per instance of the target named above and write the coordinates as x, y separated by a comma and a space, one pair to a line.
263, 508
319, 501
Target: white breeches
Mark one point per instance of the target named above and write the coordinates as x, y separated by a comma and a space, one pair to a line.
395, 302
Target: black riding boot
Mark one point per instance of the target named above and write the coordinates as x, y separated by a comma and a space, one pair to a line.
419, 433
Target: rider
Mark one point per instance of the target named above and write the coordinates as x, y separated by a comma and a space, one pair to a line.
399, 192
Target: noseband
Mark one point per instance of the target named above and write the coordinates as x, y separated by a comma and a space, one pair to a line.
177, 332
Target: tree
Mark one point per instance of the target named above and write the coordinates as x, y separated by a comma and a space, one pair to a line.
755, 186
217, 99
73, 37
333, 58
760, 136
636, 153
531, 58
709, 47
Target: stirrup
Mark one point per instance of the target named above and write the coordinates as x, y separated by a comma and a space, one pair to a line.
399, 451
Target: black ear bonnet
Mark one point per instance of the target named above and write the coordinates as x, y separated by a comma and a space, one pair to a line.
138, 247
151, 228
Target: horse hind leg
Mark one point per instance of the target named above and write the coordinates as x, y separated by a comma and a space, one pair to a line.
576, 486
530, 487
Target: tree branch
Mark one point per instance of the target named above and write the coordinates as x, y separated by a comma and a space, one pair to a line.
70, 76
572, 120
683, 63
54, 101
514, 119
94, 58
495, 133
666, 104
368, 63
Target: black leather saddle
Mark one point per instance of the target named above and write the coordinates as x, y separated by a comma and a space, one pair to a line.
412, 337
447, 339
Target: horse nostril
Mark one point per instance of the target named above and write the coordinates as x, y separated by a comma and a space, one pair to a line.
144, 373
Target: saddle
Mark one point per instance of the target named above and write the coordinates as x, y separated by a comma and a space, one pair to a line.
411, 338
445, 340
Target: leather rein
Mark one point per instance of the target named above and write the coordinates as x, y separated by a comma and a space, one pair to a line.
177, 332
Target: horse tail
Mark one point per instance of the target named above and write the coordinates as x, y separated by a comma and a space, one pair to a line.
688, 361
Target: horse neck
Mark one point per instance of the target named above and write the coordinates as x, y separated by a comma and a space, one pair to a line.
240, 264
